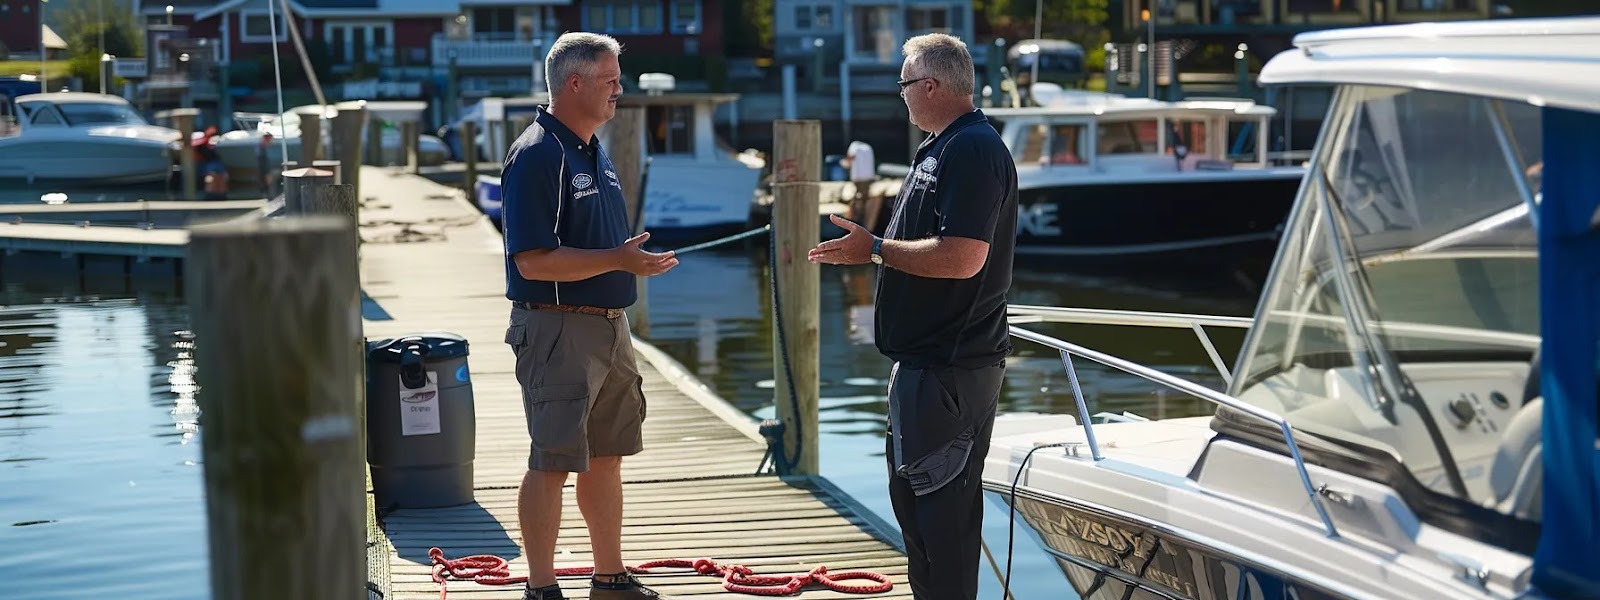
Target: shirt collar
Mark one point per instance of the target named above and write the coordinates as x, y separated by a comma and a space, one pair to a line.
551, 124
963, 121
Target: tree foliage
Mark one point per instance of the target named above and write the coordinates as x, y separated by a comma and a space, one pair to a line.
82, 27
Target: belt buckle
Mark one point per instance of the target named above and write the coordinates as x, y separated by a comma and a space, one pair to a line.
613, 313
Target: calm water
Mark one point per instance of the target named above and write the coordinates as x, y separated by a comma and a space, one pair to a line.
100, 482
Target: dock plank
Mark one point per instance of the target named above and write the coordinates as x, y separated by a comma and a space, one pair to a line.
433, 263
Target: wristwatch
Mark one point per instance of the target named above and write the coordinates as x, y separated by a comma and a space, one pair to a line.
877, 250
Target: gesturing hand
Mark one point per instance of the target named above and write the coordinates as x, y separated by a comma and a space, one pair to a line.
853, 249
638, 261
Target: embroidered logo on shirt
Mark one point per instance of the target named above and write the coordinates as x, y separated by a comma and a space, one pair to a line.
923, 177
582, 180
612, 175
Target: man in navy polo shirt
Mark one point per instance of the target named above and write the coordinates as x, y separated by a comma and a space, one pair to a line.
945, 266
570, 269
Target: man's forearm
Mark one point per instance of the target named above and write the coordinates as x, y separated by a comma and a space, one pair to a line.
563, 264
927, 257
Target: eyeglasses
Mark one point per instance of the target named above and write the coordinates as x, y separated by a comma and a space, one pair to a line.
907, 82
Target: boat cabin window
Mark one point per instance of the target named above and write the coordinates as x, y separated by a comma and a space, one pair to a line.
42, 115
1035, 140
671, 129
1053, 144
1404, 315
1190, 134
98, 113
1127, 137
1066, 145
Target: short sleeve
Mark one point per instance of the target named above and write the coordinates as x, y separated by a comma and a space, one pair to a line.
530, 200
971, 191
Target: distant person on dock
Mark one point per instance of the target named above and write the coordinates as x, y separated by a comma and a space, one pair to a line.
864, 205
570, 270
212, 169
945, 266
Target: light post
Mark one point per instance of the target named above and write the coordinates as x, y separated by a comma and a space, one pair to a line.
1150, 57
169, 14
44, 77
1038, 32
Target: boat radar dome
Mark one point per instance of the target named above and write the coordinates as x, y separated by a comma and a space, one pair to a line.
656, 83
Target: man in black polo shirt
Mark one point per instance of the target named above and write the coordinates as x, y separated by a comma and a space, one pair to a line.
570, 269
945, 266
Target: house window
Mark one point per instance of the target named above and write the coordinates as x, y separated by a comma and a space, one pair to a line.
686, 16
257, 27
813, 17
874, 37
1438, 5
1323, 6
928, 20
624, 16
496, 23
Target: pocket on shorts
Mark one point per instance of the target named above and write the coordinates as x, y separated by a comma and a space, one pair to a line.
556, 415
517, 336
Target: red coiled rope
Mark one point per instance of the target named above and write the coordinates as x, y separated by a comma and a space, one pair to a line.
487, 569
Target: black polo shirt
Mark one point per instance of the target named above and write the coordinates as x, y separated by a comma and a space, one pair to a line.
559, 190
962, 184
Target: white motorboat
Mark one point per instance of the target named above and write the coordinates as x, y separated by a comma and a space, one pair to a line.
240, 149
1413, 412
1107, 175
88, 139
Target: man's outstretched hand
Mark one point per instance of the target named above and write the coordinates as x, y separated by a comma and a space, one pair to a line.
853, 249
638, 261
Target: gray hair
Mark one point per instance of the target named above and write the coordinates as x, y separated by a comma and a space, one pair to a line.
575, 52
943, 57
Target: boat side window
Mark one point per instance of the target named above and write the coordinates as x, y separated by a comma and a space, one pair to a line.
1066, 145
1404, 312
1127, 137
45, 116
670, 129
1189, 134
1035, 140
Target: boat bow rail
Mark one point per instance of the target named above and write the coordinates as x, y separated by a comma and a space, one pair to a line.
1034, 314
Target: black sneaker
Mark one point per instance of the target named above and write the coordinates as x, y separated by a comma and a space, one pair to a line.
549, 592
621, 587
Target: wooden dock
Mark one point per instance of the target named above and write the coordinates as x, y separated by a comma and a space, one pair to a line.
433, 263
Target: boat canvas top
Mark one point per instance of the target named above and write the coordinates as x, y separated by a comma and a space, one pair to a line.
72, 98
1543, 62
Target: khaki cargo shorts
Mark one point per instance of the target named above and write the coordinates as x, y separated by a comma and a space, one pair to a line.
581, 390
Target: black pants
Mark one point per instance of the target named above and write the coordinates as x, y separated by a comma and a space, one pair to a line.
942, 528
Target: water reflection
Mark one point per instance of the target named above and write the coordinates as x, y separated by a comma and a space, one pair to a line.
96, 475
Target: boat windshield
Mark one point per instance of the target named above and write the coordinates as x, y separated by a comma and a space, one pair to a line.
83, 114
1402, 314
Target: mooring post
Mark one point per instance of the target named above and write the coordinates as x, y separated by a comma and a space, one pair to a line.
284, 473
796, 321
623, 139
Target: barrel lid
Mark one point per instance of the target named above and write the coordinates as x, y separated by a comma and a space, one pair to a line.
431, 345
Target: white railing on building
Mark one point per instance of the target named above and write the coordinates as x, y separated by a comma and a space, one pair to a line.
487, 53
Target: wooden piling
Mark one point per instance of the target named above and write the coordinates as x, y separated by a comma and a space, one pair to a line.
347, 126
332, 199
375, 142
310, 136
410, 140
300, 188
623, 140
794, 222
798, 154
183, 121
284, 471
469, 155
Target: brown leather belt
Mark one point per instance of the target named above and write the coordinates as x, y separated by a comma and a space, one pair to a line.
609, 313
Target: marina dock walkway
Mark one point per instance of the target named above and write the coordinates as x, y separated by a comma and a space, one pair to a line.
433, 263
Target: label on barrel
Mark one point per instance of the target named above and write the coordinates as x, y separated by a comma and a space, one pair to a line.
419, 408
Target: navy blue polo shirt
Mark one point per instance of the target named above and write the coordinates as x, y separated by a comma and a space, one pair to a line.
962, 184
559, 190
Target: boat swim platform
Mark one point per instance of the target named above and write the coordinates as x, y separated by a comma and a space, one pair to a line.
694, 491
